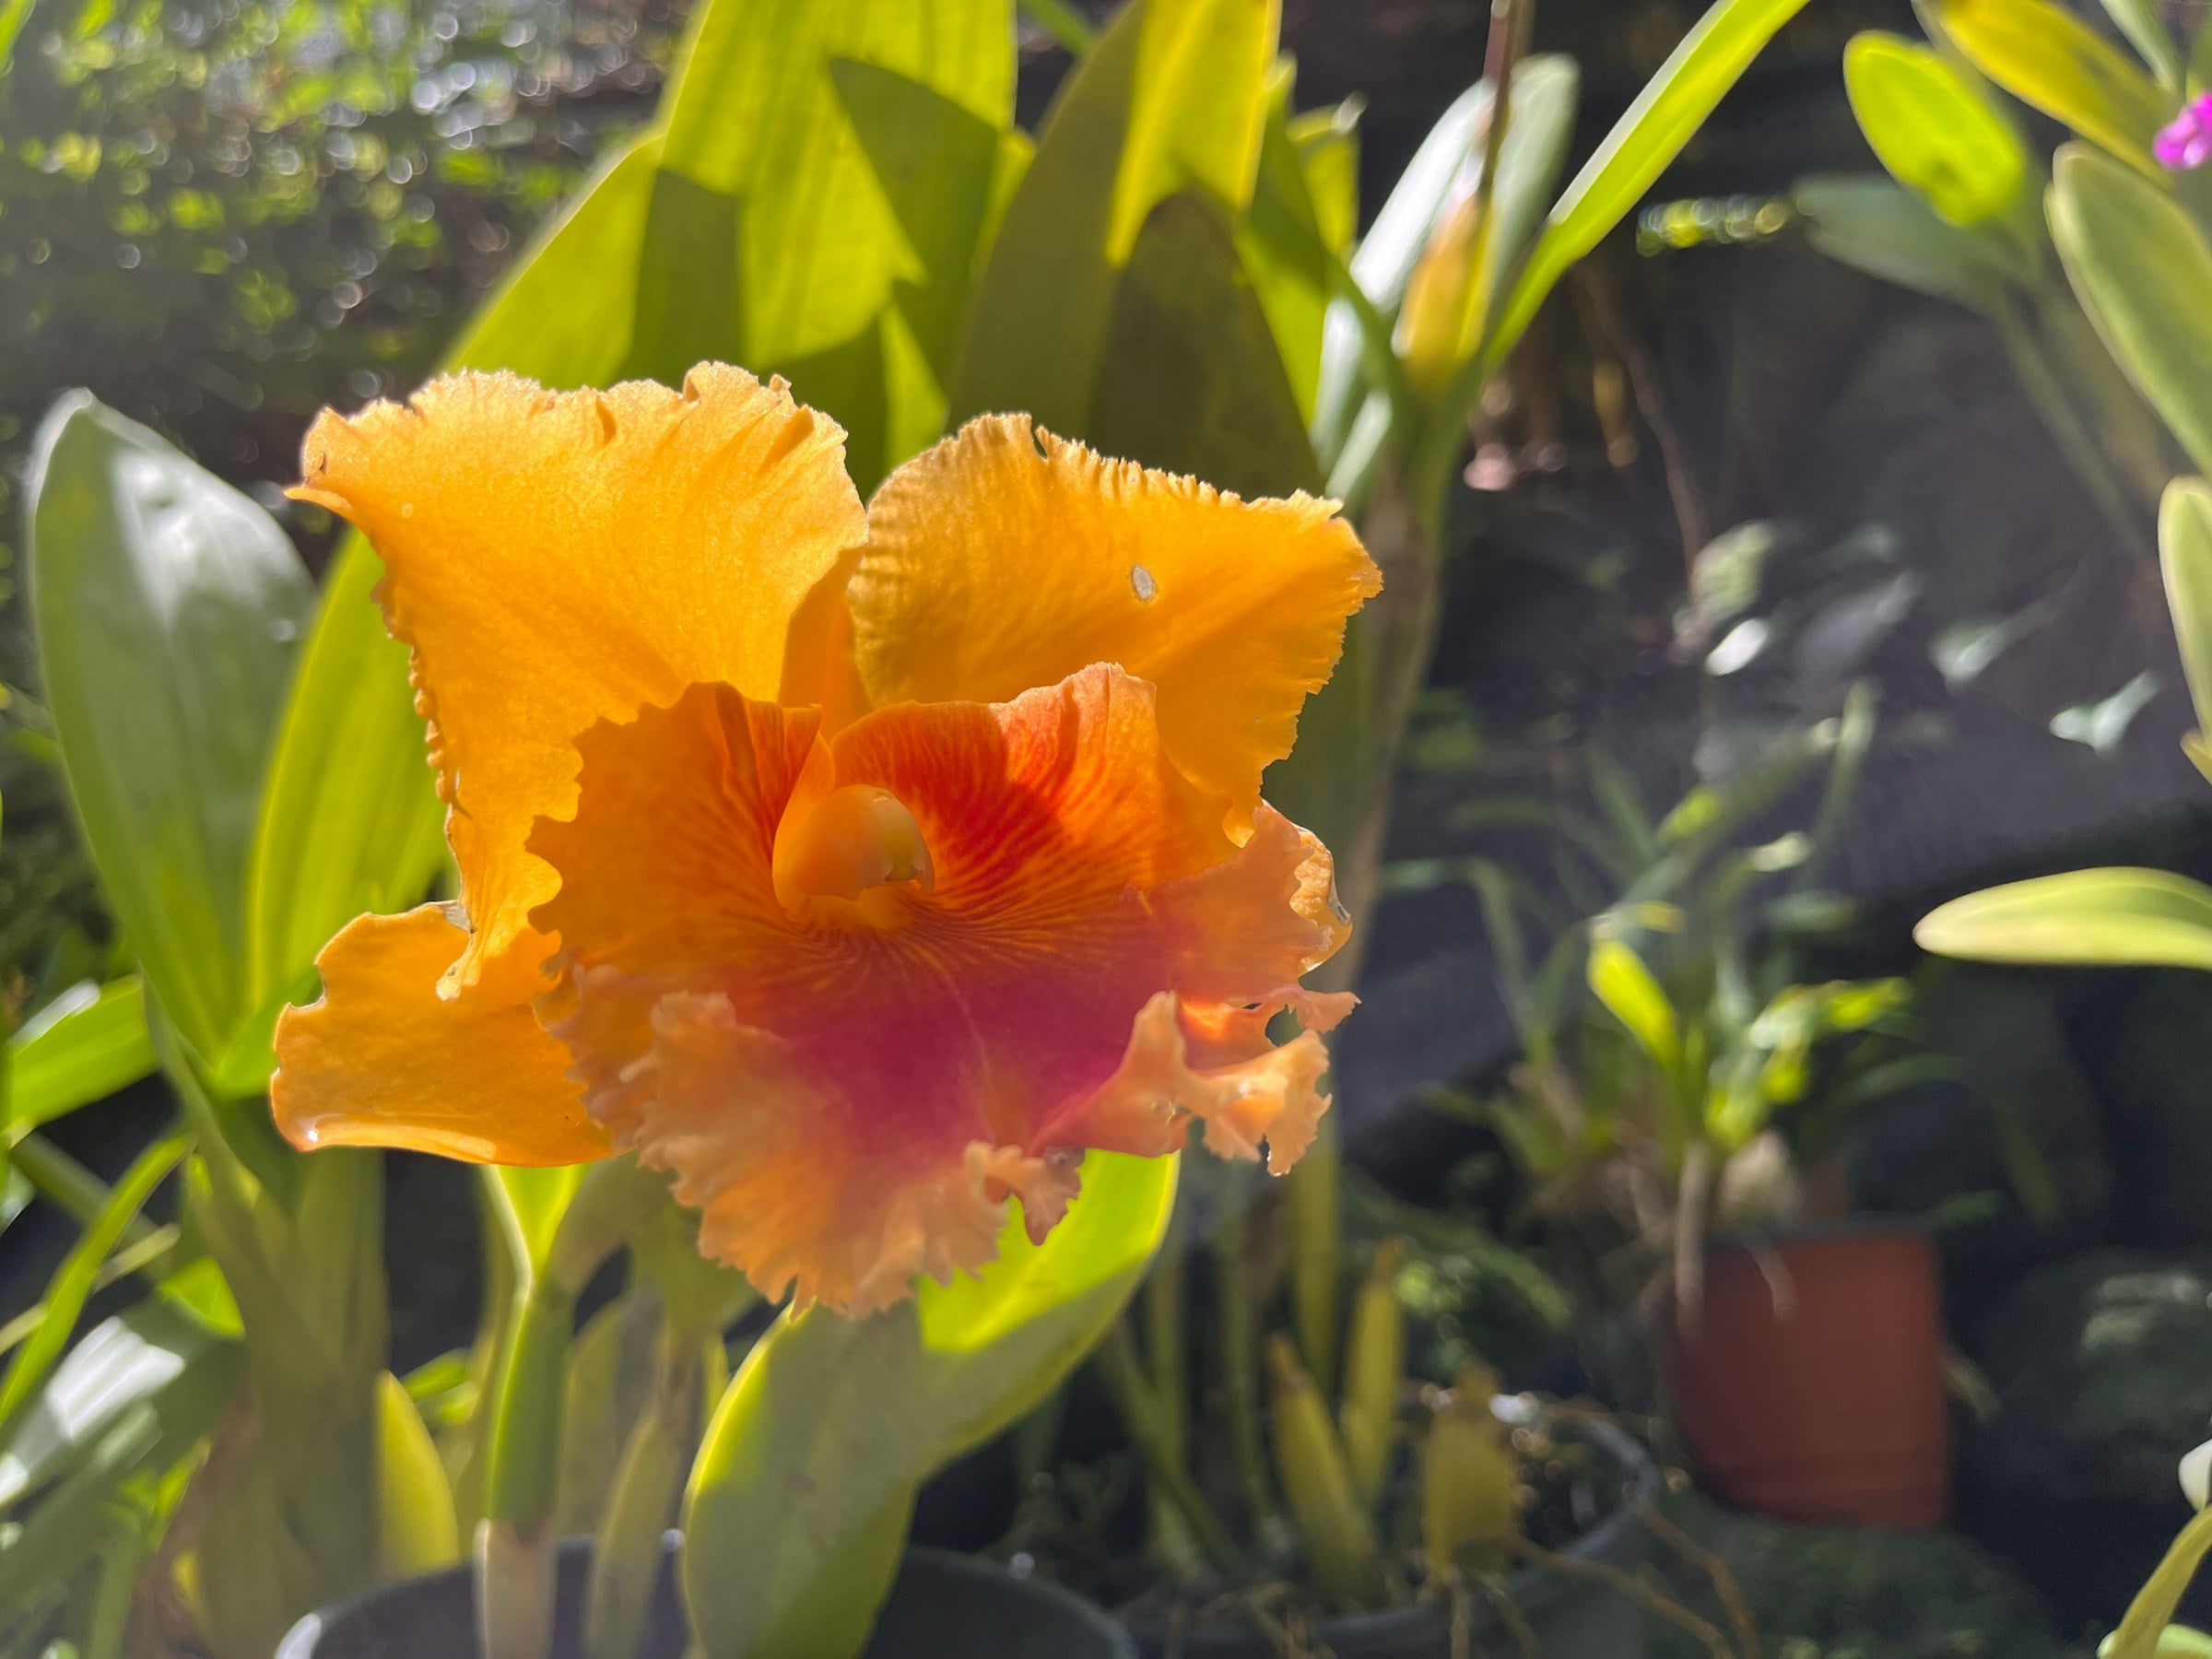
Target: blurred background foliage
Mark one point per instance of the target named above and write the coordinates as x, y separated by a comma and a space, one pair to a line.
220, 215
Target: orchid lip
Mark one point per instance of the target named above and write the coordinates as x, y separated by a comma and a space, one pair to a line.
856, 838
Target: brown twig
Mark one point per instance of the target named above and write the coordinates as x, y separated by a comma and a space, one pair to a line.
1716, 1571
1630, 1585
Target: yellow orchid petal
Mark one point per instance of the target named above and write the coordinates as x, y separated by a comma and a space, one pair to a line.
382, 1060
559, 558
1007, 559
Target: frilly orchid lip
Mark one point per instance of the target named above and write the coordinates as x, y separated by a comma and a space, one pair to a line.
863, 871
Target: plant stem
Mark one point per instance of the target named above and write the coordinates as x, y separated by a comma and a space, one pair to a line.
1124, 1378
1062, 22
522, 1457
626, 1565
1240, 1355
1164, 1336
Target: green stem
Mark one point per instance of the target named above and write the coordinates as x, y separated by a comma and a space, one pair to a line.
2055, 404
522, 1470
626, 1563
1239, 1358
2152, 1610
1164, 1341
1124, 1378
67, 1184
1062, 22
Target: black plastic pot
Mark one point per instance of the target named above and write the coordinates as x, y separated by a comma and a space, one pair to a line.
1570, 1616
943, 1606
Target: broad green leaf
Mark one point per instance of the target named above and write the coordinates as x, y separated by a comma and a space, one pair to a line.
86, 1044
1173, 97
1931, 128
2117, 915
1327, 144
1669, 110
797, 1508
2185, 557
351, 822
1620, 980
2048, 58
1286, 252
169, 610
1874, 225
2143, 271
73, 1281
417, 1531
768, 159
2148, 33
153, 1351
1194, 381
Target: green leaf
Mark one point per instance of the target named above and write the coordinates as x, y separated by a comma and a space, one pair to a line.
2143, 271
1621, 981
1647, 138
1931, 128
2147, 33
798, 1502
1874, 225
1388, 254
73, 1280
2087, 917
2185, 556
2047, 57
82, 1047
153, 1351
417, 1531
758, 132
168, 608
1173, 97
351, 822
1287, 252
1194, 381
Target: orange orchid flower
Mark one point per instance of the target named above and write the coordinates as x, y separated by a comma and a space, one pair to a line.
861, 868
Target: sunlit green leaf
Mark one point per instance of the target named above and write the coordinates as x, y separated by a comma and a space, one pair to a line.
84, 1045
755, 122
73, 1281
1194, 381
2140, 266
2147, 33
1931, 128
1620, 980
2185, 556
2117, 915
1669, 110
797, 1509
168, 608
2047, 57
153, 1351
417, 1531
1173, 97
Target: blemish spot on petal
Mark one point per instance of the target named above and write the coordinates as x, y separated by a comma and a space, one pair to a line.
407, 510
1141, 580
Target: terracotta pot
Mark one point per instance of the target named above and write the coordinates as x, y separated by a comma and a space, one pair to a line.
1570, 1616
1809, 1384
943, 1606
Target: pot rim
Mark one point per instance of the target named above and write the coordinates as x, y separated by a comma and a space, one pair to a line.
300, 1641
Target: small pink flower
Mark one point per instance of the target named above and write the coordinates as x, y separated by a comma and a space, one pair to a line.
2186, 140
